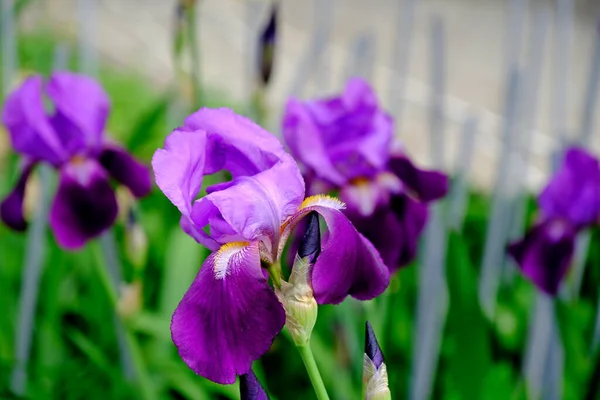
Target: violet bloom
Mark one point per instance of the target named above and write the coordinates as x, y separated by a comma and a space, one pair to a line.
230, 315
569, 203
70, 137
345, 145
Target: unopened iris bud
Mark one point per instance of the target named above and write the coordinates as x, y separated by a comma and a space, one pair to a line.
130, 302
250, 388
297, 295
136, 242
267, 46
375, 379
311, 242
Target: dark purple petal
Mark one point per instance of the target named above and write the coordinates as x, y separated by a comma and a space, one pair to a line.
574, 191
250, 388
372, 349
126, 170
342, 138
30, 131
426, 185
229, 316
348, 263
85, 204
11, 208
82, 108
394, 230
545, 254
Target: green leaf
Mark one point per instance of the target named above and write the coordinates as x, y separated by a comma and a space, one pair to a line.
466, 324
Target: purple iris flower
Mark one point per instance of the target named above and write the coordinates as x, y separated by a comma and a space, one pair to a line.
61, 122
230, 315
569, 203
345, 144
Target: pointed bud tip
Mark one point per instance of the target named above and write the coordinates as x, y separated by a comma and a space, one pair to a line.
311, 242
250, 388
372, 349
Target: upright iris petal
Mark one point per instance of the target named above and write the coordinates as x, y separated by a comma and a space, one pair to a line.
230, 315
70, 137
340, 138
574, 191
345, 144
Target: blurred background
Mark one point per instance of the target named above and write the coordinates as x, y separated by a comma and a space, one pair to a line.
487, 90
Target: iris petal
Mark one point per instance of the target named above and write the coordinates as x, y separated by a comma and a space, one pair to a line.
229, 316
11, 208
574, 192
253, 206
545, 254
82, 109
426, 185
84, 206
30, 131
348, 264
126, 170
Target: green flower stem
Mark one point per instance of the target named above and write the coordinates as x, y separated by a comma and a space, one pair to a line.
126, 336
32, 270
194, 53
313, 371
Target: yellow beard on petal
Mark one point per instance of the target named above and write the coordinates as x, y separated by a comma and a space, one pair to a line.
223, 256
322, 200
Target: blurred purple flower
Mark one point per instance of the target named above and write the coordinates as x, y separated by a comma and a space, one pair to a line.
230, 315
345, 144
569, 203
66, 130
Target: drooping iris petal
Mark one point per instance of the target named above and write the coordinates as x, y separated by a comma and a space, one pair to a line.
574, 192
394, 230
253, 207
126, 170
85, 204
426, 185
81, 110
545, 253
348, 264
250, 388
11, 208
342, 138
229, 316
30, 131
